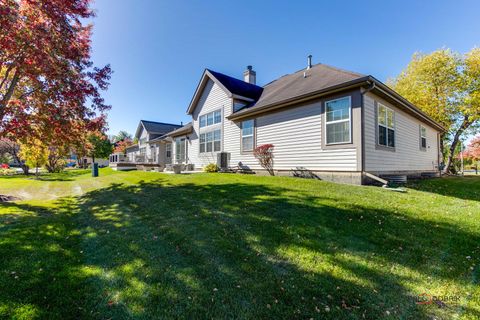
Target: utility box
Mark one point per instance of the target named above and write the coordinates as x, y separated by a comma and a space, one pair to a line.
95, 169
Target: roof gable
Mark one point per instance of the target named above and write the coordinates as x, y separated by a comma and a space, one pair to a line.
156, 128
234, 88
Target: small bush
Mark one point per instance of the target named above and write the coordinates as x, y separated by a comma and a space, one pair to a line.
211, 167
7, 171
4, 166
264, 155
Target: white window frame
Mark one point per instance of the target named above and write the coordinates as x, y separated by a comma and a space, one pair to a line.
179, 159
206, 115
168, 148
153, 152
338, 121
212, 142
386, 126
423, 128
247, 136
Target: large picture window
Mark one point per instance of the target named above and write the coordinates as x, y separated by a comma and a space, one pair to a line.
337, 120
247, 135
386, 126
211, 118
211, 141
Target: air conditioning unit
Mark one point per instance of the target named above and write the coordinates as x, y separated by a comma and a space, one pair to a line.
223, 160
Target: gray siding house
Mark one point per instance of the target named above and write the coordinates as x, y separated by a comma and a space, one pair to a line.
339, 125
153, 147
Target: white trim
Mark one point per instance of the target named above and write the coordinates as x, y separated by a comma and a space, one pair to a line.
212, 131
339, 121
247, 136
206, 119
379, 104
423, 128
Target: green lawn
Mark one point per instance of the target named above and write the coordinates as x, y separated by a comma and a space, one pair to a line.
150, 245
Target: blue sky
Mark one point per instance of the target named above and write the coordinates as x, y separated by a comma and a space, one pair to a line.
159, 49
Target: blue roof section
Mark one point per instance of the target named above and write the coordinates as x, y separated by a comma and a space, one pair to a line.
159, 127
238, 87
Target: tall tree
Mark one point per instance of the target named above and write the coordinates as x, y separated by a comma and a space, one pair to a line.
446, 86
47, 78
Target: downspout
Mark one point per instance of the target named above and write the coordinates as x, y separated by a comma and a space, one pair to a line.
362, 112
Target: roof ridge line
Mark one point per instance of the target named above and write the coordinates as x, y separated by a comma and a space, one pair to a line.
171, 124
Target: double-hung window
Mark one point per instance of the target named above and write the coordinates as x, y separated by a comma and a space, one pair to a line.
168, 150
248, 135
423, 137
338, 120
386, 126
210, 118
211, 141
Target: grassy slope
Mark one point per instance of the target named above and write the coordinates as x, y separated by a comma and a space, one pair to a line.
146, 245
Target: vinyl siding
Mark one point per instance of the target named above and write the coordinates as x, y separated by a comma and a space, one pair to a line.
213, 98
407, 155
296, 134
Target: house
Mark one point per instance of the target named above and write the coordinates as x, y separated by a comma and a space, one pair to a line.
336, 124
153, 149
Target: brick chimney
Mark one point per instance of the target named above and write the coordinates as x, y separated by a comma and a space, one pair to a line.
249, 75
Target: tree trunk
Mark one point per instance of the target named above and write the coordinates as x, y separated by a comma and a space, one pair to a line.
9, 94
26, 169
442, 147
36, 172
456, 139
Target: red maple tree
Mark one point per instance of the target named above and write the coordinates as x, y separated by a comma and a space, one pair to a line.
48, 84
264, 155
473, 149
122, 145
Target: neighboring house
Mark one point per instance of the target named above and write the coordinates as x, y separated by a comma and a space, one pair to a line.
336, 124
153, 148
87, 161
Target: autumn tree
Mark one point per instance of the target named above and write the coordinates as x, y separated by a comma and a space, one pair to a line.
473, 149
472, 152
35, 154
56, 158
121, 136
446, 86
121, 146
47, 78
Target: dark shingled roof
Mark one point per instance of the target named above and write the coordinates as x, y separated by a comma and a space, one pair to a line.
319, 77
183, 130
159, 127
238, 87
186, 129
